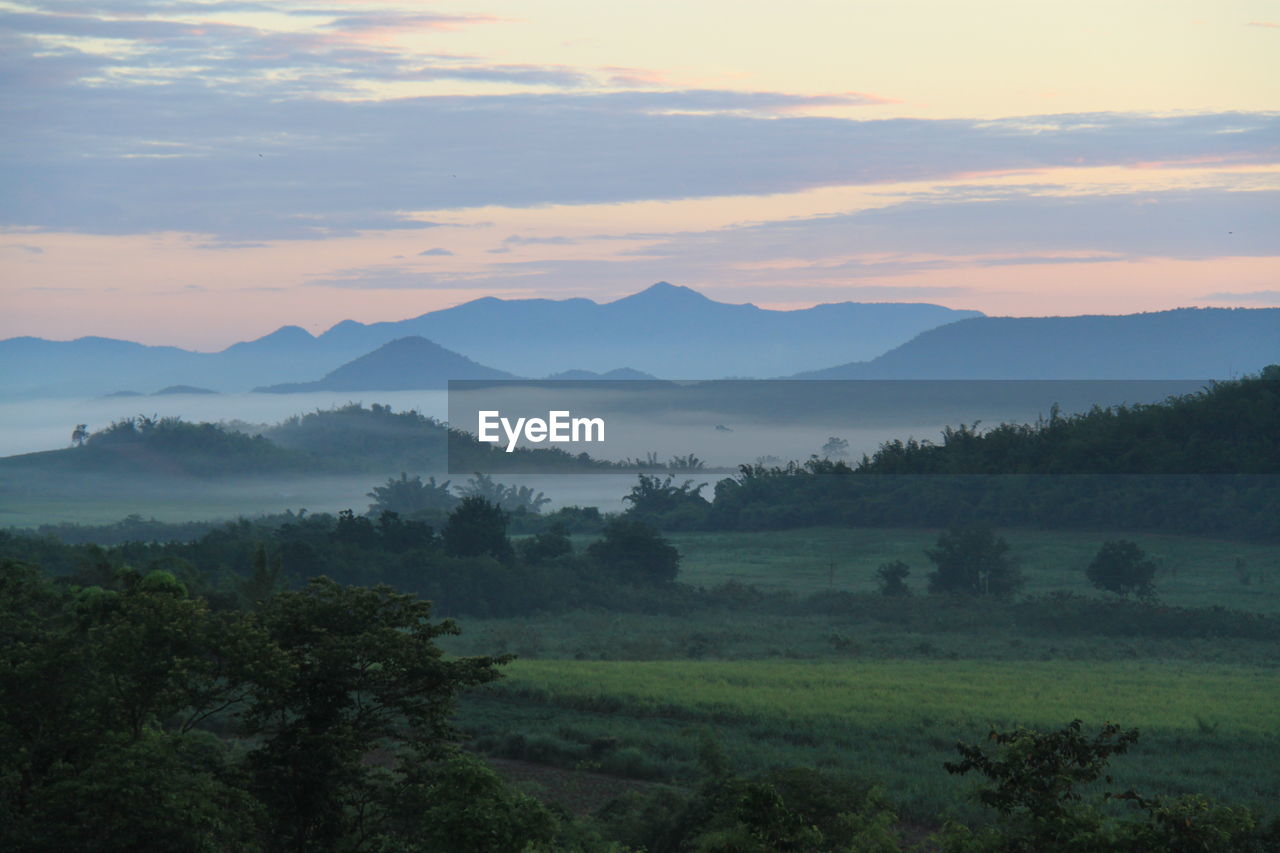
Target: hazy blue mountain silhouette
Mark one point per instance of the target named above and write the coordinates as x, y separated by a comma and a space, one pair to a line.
618, 373
182, 389
407, 364
665, 331
1186, 343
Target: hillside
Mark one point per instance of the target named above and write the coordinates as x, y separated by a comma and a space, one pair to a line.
346, 440
1203, 464
1229, 428
1187, 343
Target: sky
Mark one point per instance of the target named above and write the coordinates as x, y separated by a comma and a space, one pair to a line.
197, 173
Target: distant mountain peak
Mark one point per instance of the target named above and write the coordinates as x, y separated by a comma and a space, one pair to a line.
404, 364
290, 332
344, 326
663, 292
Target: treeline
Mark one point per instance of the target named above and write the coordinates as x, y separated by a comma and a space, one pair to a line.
1228, 428
471, 567
469, 564
1204, 464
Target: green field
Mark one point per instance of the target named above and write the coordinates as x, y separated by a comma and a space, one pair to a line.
1194, 572
1208, 728
634, 694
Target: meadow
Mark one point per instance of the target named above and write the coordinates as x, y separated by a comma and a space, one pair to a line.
1209, 728
1194, 572
777, 685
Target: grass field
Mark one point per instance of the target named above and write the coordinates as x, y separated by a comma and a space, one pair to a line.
1214, 729
633, 694
1194, 572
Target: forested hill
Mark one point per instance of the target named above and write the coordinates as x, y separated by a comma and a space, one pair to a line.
1229, 428
1188, 343
1201, 464
349, 439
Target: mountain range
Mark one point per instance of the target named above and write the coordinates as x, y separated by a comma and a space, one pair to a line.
664, 330
1186, 343
669, 332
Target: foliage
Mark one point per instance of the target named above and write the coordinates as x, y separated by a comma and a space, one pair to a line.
1033, 783
514, 499
660, 502
361, 669
633, 551
547, 546
1035, 776
893, 579
462, 806
105, 690
794, 809
974, 561
407, 497
836, 447
1199, 464
1229, 427
1123, 568
478, 528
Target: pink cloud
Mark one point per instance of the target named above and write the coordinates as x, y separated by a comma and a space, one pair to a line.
1272, 25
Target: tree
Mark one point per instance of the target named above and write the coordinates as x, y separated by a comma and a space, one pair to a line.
406, 496
836, 448
462, 806
477, 528
893, 579
1122, 567
510, 498
546, 546
1034, 781
636, 552
79, 434
363, 671
653, 496
974, 561
264, 578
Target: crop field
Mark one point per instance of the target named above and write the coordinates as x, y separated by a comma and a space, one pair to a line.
1208, 728
635, 694
1194, 572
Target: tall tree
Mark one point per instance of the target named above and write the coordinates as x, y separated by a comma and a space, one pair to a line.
973, 560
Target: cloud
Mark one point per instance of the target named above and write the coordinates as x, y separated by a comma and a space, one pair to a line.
404, 21
1190, 224
375, 278
247, 134
343, 167
392, 277
966, 235
23, 247
435, 252
1271, 25
518, 240
230, 244
1264, 297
